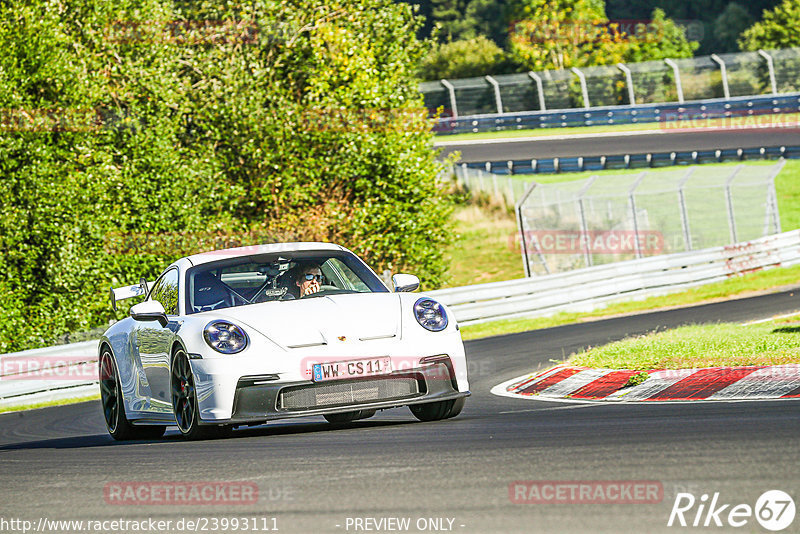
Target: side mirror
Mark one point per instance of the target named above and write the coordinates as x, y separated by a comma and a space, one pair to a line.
150, 310
405, 283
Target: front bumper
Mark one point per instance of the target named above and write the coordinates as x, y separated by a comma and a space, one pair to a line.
258, 399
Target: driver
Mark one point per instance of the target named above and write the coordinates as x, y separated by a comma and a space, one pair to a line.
309, 279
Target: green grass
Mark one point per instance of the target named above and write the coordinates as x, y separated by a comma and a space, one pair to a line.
60, 402
697, 346
484, 248
538, 132
737, 286
602, 128
482, 253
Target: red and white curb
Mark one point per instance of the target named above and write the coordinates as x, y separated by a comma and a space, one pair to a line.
583, 384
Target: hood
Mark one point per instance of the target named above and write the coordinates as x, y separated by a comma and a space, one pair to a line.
317, 321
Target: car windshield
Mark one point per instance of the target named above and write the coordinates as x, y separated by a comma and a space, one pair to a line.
277, 277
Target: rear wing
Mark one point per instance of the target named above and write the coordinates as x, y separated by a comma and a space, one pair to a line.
121, 293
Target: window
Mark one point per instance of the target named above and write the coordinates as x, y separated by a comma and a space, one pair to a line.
165, 291
273, 277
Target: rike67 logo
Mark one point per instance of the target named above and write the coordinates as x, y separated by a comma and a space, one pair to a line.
774, 510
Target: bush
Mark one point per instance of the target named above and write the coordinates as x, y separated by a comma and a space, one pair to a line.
463, 59
207, 121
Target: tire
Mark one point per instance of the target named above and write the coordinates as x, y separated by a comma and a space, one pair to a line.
347, 417
184, 402
435, 411
114, 408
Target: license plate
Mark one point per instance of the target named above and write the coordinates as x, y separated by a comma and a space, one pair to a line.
351, 369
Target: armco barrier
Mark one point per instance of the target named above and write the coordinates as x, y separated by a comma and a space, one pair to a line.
593, 287
50, 373
579, 290
700, 110
649, 160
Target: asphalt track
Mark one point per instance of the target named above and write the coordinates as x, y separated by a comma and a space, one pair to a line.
55, 462
665, 140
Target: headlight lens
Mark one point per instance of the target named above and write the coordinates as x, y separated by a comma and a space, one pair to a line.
225, 337
430, 315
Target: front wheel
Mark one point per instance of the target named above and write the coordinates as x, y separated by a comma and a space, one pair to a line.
114, 408
435, 411
184, 402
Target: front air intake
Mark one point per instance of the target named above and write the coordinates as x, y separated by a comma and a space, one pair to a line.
342, 393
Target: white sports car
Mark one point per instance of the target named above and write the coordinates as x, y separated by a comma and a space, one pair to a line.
247, 335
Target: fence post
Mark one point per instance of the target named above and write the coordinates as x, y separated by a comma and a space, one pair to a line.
584, 226
724, 72
498, 100
687, 233
729, 202
773, 196
452, 91
539, 89
521, 222
632, 201
584, 89
677, 73
628, 82
771, 67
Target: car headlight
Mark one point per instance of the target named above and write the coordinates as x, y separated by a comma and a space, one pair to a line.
430, 315
225, 337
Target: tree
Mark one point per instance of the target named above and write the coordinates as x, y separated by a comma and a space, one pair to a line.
661, 38
779, 28
138, 131
559, 34
467, 19
462, 59
733, 20
577, 33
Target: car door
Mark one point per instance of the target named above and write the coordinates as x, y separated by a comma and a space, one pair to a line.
154, 342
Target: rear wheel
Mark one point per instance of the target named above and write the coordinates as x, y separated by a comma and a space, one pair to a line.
184, 402
347, 417
435, 411
114, 408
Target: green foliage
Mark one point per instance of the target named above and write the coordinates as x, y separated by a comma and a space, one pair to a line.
779, 28
733, 20
560, 34
660, 39
462, 59
259, 121
576, 33
455, 20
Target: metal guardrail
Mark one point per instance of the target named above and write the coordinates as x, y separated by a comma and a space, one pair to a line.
593, 287
716, 108
51, 373
580, 290
633, 161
